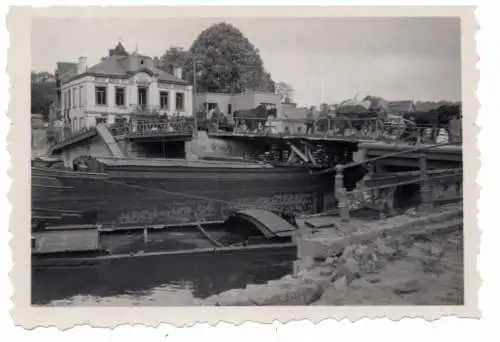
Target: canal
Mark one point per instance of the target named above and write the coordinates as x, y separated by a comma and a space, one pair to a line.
158, 280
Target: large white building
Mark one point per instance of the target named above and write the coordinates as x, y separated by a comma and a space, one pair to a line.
122, 85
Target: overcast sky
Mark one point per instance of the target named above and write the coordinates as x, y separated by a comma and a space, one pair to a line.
325, 60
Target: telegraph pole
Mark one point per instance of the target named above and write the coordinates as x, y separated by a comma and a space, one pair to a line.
195, 116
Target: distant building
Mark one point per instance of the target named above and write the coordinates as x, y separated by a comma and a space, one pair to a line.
229, 103
292, 119
400, 107
122, 85
288, 116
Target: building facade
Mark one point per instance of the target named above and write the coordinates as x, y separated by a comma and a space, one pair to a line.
121, 85
400, 107
289, 117
229, 103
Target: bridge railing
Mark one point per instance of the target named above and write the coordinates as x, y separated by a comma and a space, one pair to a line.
333, 127
436, 186
167, 125
153, 126
65, 134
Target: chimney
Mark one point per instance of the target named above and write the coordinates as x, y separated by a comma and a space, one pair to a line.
178, 73
82, 65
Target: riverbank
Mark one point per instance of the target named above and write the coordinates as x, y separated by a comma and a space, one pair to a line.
420, 265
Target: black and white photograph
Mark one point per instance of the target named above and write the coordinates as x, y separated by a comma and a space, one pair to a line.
247, 161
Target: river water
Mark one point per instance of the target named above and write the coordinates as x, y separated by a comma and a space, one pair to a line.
179, 280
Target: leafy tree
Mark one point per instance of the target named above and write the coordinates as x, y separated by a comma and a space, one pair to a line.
174, 57
377, 103
285, 91
226, 62
43, 92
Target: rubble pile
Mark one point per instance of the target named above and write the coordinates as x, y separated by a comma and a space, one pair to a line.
414, 269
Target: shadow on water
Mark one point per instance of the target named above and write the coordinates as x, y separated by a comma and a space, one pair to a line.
202, 275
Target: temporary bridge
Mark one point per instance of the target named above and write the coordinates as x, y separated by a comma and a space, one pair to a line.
270, 224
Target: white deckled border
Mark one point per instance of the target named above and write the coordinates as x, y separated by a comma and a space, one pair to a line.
19, 58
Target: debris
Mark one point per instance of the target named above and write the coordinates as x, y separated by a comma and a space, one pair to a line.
348, 269
407, 286
436, 251
382, 249
340, 283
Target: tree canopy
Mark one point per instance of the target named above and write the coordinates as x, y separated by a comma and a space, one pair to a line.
43, 92
226, 62
174, 57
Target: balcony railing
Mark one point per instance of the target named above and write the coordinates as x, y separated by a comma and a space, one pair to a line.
144, 109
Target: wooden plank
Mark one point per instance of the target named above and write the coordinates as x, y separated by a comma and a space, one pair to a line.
162, 226
208, 236
229, 249
42, 186
66, 241
46, 218
320, 222
53, 210
72, 227
298, 152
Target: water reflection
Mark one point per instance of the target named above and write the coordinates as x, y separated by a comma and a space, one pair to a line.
158, 280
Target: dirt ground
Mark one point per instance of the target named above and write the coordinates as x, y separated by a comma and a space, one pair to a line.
420, 270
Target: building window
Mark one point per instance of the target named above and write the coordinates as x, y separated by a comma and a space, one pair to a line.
100, 96
179, 102
210, 105
69, 98
120, 96
164, 99
142, 95
229, 109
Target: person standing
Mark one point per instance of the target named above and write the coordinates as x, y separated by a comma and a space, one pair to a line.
310, 122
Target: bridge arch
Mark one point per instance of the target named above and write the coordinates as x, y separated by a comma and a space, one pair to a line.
267, 222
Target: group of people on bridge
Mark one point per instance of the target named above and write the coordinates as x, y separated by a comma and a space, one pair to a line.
372, 124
